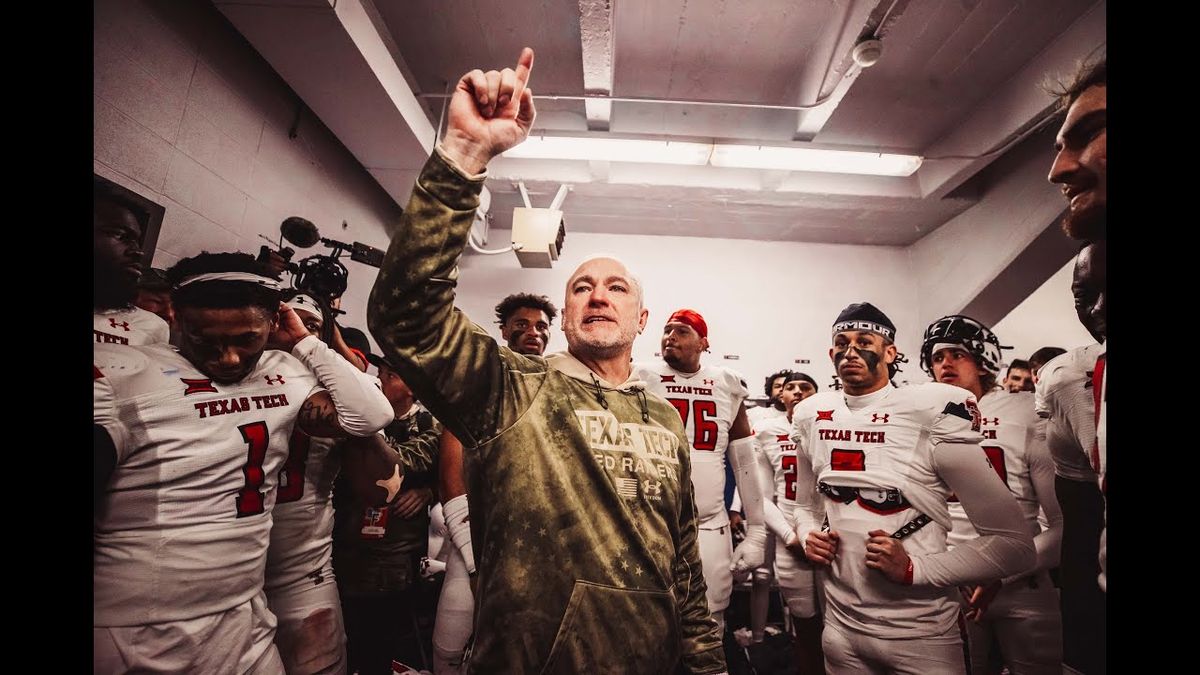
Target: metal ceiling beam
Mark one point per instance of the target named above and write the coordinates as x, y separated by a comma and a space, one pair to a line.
830, 71
596, 34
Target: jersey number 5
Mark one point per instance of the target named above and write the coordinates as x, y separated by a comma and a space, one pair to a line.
705, 437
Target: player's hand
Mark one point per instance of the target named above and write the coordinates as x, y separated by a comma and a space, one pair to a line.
750, 554
411, 501
289, 331
821, 547
737, 524
489, 113
886, 554
980, 599
794, 545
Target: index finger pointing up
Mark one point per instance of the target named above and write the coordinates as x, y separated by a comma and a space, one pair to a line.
524, 67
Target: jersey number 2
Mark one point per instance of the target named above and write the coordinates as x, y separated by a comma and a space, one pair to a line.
706, 428
788, 464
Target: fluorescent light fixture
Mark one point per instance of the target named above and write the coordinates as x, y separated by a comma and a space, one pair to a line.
783, 158
612, 150
813, 159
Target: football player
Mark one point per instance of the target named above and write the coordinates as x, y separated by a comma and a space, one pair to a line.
885, 460
797, 579
1020, 613
709, 400
197, 439
1066, 397
117, 224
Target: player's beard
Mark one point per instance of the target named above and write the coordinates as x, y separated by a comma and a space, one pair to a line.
594, 346
112, 286
1090, 224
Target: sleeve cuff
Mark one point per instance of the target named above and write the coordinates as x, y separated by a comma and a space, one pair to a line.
305, 346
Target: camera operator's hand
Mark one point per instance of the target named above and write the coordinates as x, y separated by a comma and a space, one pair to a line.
275, 263
289, 331
489, 113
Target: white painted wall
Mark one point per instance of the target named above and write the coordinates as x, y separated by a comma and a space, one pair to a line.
187, 114
1045, 319
768, 302
955, 262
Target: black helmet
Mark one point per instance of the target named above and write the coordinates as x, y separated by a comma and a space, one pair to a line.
956, 329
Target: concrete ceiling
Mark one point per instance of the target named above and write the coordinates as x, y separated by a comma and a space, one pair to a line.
956, 79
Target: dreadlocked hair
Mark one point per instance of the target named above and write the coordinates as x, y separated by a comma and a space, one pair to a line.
221, 294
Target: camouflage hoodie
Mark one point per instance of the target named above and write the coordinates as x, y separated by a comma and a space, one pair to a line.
582, 514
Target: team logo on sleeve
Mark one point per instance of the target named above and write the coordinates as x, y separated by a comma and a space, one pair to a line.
976, 416
667, 378
198, 386
826, 415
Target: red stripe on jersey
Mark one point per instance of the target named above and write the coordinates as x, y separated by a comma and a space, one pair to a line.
96, 374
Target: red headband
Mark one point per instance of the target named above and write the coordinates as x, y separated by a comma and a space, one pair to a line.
692, 318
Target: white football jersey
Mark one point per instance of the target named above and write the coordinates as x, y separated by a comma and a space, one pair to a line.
874, 458
707, 401
183, 529
758, 414
1065, 398
774, 441
132, 326
1010, 427
302, 533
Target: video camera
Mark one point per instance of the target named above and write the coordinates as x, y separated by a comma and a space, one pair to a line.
322, 276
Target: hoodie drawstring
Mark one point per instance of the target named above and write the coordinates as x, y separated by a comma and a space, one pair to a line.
641, 394
599, 392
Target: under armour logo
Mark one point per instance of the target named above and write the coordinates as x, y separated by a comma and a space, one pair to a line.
710, 382
198, 386
652, 488
667, 378
994, 421
113, 322
876, 417
278, 379
826, 415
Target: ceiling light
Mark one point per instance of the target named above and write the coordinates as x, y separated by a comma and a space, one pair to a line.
813, 159
781, 158
612, 150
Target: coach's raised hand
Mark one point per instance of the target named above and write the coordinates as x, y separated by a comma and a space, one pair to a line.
489, 113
